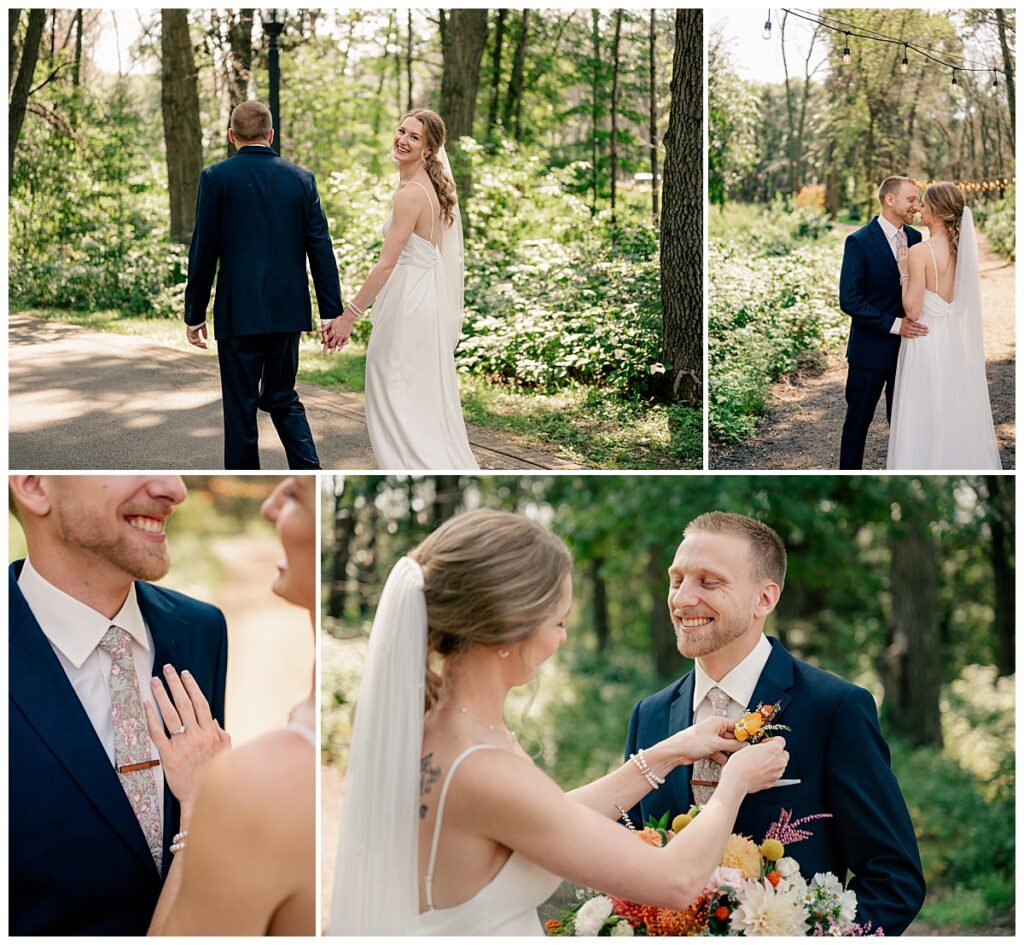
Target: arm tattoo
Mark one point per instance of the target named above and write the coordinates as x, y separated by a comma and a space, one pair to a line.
428, 778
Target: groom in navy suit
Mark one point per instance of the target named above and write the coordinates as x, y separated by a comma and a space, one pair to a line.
80, 862
871, 293
260, 218
725, 580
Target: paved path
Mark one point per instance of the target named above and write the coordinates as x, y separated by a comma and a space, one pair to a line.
82, 399
806, 410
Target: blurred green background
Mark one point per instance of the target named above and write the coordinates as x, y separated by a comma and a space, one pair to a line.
904, 585
224, 552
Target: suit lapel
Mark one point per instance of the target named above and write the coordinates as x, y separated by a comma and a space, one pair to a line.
776, 679
883, 247
172, 643
680, 716
41, 691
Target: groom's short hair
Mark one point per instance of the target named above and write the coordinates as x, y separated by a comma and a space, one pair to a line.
888, 186
251, 121
767, 552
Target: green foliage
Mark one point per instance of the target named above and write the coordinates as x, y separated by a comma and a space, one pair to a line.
731, 122
998, 221
772, 305
341, 668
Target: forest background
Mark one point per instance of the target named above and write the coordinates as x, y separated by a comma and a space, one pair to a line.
575, 137
903, 585
795, 160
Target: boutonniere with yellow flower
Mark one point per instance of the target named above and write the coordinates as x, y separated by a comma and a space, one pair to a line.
754, 726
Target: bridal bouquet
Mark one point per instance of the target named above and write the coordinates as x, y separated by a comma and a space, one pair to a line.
756, 890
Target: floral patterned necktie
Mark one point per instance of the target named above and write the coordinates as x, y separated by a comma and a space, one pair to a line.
131, 739
704, 769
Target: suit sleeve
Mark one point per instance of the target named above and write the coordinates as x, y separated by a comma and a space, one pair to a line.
322, 263
220, 660
203, 251
871, 818
851, 290
636, 814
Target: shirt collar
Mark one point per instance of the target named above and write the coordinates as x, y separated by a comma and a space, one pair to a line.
71, 626
739, 683
888, 228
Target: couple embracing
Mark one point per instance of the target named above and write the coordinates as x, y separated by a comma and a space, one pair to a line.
258, 220
916, 332
449, 822
129, 811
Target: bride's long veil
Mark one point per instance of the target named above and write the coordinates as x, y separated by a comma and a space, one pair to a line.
376, 882
967, 373
452, 252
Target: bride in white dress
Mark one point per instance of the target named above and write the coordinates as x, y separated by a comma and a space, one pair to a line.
413, 412
941, 415
447, 825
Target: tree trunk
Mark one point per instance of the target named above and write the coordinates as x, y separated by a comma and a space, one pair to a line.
408, 62
514, 99
13, 16
22, 85
602, 628
76, 75
499, 40
398, 66
790, 111
653, 88
613, 150
682, 217
463, 36
664, 653
344, 532
239, 63
182, 131
1000, 517
1011, 96
913, 670
595, 91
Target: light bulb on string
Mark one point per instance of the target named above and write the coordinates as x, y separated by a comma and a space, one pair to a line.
995, 79
766, 33
847, 58
954, 78
905, 65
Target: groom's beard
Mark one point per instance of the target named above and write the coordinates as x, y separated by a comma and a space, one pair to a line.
704, 640
141, 560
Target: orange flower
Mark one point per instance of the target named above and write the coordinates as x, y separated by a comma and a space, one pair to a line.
553, 925
767, 711
753, 722
774, 877
651, 836
722, 913
692, 921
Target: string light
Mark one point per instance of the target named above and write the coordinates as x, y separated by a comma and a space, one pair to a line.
847, 58
995, 79
954, 76
905, 65
767, 32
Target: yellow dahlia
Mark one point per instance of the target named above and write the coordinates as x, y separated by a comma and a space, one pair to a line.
772, 850
741, 853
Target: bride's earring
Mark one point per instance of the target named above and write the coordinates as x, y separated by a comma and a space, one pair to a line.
503, 654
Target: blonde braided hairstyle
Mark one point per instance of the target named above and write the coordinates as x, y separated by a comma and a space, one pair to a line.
435, 134
946, 201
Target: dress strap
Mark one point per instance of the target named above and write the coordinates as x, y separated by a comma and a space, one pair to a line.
935, 266
304, 730
428, 879
431, 203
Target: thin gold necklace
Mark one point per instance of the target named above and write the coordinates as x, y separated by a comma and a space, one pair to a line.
503, 729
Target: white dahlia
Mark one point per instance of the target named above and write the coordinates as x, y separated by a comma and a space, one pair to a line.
591, 916
766, 910
622, 927
787, 867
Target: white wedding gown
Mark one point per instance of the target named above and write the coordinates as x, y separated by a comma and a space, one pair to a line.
941, 416
413, 412
507, 905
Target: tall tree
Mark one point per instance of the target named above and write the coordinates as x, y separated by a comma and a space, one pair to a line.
613, 147
495, 95
408, 62
13, 16
182, 130
682, 217
652, 83
595, 91
1001, 522
463, 36
18, 104
76, 74
1008, 69
513, 115
238, 63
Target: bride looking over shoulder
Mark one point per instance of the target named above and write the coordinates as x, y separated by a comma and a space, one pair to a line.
448, 827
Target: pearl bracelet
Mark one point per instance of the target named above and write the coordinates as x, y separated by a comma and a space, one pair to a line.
649, 776
359, 311
178, 842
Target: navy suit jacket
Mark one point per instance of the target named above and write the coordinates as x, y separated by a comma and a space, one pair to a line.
79, 863
259, 217
869, 292
837, 751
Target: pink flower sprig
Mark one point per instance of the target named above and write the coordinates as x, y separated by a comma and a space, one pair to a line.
786, 832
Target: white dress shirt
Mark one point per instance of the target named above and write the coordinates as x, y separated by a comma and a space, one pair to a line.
738, 684
75, 631
896, 237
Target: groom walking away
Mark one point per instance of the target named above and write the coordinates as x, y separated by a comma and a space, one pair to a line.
725, 580
260, 217
90, 818
871, 294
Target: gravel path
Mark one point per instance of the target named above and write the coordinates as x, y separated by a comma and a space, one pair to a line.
806, 409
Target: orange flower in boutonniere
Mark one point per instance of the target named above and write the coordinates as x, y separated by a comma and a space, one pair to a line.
753, 726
